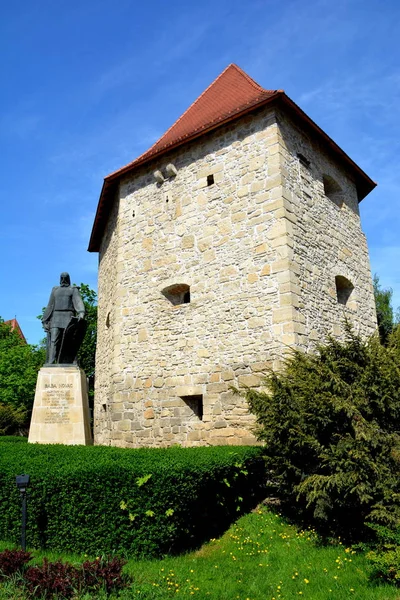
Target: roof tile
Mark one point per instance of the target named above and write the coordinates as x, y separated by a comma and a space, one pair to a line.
232, 92
230, 96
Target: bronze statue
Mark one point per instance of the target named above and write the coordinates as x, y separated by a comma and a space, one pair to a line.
64, 322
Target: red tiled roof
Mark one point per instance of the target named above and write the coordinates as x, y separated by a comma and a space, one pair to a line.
232, 92
230, 96
15, 327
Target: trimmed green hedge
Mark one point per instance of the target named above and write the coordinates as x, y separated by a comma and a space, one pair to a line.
144, 502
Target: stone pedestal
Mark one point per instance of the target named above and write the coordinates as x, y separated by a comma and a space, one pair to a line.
61, 409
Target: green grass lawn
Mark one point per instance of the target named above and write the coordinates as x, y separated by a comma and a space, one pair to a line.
259, 558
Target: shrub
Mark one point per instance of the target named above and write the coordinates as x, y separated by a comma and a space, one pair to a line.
63, 580
52, 579
331, 425
104, 572
386, 564
13, 561
385, 557
145, 502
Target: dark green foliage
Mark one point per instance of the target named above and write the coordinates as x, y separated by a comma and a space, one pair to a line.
386, 564
12, 439
144, 502
19, 366
87, 352
331, 424
384, 311
386, 556
12, 420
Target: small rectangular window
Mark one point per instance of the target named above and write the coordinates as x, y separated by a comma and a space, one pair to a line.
304, 161
210, 179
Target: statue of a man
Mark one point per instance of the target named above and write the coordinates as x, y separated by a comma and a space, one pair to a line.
64, 322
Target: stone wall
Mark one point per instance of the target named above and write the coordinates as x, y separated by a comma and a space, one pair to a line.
252, 247
327, 241
107, 344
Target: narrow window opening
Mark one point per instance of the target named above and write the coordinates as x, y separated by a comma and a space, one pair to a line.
304, 161
344, 289
332, 190
210, 179
133, 213
104, 407
177, 294
108, 320
195, 403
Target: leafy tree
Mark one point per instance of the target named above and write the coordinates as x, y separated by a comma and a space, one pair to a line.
12, 420
384, 310
19, 365
87, 351
331, 426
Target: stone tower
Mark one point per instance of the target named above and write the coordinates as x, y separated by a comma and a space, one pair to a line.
233, 239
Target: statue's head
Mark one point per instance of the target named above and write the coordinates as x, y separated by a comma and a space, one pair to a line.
65, 280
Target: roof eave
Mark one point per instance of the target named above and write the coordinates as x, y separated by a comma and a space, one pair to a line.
94, 243
363, 182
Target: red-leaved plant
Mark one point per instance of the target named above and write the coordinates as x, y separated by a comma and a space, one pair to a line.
13, 561
104, 572
52, 579
63, 580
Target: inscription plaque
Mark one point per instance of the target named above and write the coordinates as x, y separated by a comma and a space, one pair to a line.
61, 411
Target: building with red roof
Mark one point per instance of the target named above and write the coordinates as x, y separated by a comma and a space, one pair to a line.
233, 238
15, 327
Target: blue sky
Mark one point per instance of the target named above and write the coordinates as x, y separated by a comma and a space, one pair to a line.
89, 85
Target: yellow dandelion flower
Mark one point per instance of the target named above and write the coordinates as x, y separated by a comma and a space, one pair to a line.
306, 580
